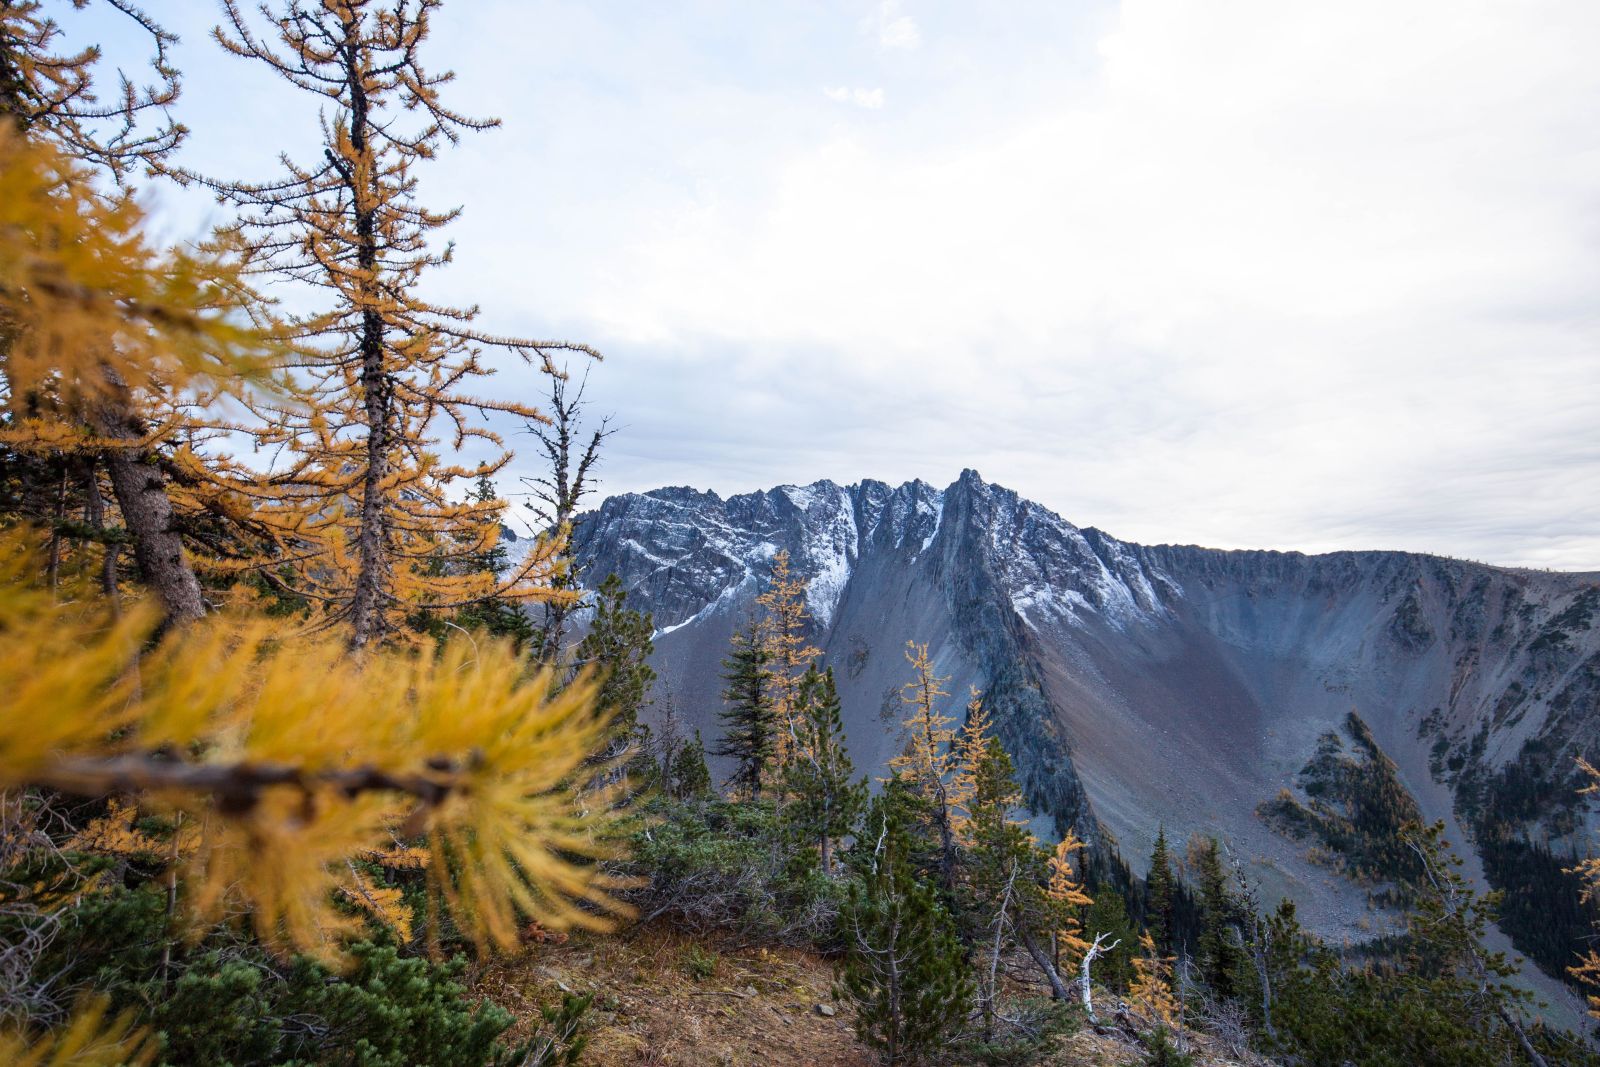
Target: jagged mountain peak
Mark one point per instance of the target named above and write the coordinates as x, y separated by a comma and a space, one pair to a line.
1137, 685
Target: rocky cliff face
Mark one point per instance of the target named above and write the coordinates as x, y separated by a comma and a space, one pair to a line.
1137, 686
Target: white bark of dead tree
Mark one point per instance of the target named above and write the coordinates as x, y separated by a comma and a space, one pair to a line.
1088, 959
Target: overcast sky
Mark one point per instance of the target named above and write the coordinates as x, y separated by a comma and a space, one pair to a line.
1243, 274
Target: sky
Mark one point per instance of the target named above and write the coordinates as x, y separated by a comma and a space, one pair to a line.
1242, 273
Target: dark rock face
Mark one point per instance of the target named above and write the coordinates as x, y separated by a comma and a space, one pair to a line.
1137, 686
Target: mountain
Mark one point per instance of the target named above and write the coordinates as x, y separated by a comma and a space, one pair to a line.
1138, 686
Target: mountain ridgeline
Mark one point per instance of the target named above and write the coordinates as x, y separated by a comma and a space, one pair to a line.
1141, 686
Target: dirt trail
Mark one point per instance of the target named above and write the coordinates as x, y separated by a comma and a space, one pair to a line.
756, 1007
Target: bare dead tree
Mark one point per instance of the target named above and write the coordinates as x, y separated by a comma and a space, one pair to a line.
669, 738
987, 993
1258, 940
571, 450
1095, 950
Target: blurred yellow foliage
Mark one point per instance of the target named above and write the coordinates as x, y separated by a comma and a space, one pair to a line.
289, 756
89, 1040
91, 315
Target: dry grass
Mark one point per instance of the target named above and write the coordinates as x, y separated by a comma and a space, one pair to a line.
757, 1007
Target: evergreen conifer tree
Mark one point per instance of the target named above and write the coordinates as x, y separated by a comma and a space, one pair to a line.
1219, 956
618, 645
824, 801
904, 968
748, 713
1449, 964
689, 778
1158, 894
1108, 918
1001, 868
495, 613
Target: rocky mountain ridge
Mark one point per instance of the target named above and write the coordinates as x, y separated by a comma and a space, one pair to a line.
1139, 686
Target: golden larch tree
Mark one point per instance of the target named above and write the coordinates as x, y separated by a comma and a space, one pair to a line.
1150, 993
360, 499
1587, 969
1065, 893
285, 758
79, 280
968, 748
929, 758
784, 634
99, 333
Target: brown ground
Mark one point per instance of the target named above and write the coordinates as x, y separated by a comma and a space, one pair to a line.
757, 1008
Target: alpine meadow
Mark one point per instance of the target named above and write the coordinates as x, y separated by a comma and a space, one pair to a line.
546, 651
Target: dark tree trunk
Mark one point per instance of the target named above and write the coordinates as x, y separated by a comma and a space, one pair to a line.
95, 514
372, 584
157, 547
1058, 988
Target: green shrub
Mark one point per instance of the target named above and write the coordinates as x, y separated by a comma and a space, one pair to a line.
699, 963
392, 1011
722, 865
218, 1015
1031, 1029
1161, 1052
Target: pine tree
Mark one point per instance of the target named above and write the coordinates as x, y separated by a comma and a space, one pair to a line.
688, 778
748, 725
1457, 974
1000, 865
1218, 953
363, 509
1158, 894
904, 968
618, 646
1107, 919
824, 800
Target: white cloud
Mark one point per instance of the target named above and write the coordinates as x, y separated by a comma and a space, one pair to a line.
1244, 273
1243, 291
871, 99
891, 29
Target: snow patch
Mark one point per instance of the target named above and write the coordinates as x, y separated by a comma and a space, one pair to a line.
831, 552
936, 507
